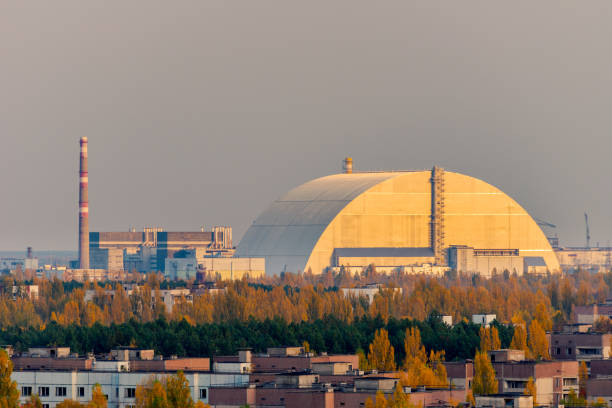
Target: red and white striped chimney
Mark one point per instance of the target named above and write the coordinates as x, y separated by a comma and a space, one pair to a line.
83, 209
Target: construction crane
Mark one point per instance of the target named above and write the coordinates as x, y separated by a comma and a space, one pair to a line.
552, 239
543, 223
588, 233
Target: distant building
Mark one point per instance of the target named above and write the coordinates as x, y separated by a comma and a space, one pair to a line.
483, 319
396, 220
367, 291
600, 388
146, 251
56, 374
590, 314
587, 258
13, 263
580, 346
110, 259
186, 264
504, 400
25, 291
554, 380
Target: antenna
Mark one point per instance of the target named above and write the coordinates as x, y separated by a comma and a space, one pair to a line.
588, 233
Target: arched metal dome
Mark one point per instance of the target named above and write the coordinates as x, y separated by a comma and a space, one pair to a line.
390, 210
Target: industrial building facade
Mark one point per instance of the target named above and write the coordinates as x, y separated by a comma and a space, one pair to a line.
147, 250
397, 219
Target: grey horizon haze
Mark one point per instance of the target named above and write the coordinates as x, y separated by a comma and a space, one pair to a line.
204, 112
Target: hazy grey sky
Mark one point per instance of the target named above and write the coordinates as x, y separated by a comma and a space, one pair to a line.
202, 112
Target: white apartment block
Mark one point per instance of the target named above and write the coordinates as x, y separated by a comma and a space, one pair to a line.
54, 387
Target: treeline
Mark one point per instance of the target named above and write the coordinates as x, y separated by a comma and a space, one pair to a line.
180, 338
307, 298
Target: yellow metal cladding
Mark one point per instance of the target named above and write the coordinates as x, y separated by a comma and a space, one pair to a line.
397, 213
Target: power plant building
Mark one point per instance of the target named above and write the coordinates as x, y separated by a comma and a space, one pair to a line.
398, 219
148, 250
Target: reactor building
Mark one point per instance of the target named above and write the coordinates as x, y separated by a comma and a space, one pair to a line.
410, 221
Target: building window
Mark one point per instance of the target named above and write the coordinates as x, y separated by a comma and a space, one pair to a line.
45, 405
26, 391
202, 393
60, 391
117, 392
569, 351
130, 393
81, 391
558, 350
43, 391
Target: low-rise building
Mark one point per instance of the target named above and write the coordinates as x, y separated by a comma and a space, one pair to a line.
483, 319
506, 400
553, 379
580, 346
55, 374
601, 368
590, 314
367, 291
599, 389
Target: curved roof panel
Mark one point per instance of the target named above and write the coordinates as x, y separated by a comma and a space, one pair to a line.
287, 231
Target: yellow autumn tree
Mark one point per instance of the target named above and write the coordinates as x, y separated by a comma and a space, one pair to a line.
530, 389
9, 396
382, 355
537, 341
379, 402
34, 402
413, 346
69, 403
363, 360
177, 391
489, 339
151, 395
98, 399
519, 338
583, 376
543, 317
484, 382
418, 369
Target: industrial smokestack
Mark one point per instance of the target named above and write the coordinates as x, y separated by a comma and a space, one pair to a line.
83, 209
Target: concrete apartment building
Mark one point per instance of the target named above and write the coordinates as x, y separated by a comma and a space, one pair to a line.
55, 374
580, 346
590, 314
553, 379
261, 380
305, 389
599, 384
